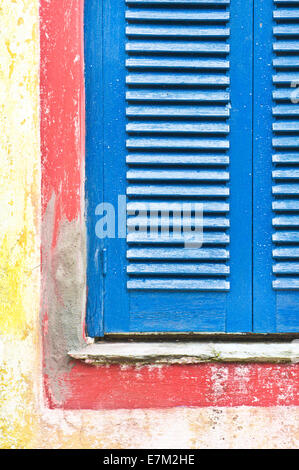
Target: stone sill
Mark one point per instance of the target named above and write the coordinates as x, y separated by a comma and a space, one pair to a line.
193, 352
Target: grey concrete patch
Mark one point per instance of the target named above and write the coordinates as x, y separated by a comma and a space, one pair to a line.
63, 309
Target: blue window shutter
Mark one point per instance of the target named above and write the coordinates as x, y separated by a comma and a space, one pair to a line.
276, 221
174, 90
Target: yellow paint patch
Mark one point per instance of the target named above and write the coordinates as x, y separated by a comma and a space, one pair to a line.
19, 226
19, 173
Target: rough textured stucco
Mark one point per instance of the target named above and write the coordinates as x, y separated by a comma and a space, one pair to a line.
19, 216
25, 420
63, 292
62, 185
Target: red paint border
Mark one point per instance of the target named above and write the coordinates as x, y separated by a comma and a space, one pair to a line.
205, 385
62, 147
62, 105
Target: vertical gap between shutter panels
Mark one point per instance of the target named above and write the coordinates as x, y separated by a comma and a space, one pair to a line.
252, 161
103, 153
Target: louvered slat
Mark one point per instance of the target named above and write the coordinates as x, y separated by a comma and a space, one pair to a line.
179, 284
177, 141
178, 254
186, 269
177, 79
172, 47
178, 2
177, 31
176, 15
207, 206
178, 111
179, 63
178, 159
175, 175
185, 191
286, 143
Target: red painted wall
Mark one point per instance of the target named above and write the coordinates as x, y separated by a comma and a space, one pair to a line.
62, 147
62, 104
193, 385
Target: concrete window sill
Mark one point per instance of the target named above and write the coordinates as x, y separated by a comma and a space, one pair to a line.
193, 352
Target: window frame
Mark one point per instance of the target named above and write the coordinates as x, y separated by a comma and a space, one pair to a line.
97, 252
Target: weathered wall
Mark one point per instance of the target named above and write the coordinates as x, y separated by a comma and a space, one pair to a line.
25, 419
19, 221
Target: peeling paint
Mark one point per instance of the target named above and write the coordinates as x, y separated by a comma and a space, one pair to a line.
19, 222
26, 421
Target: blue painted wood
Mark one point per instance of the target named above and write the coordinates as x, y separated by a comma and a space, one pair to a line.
155, 78
176, 15
175, 175
286, 30
181, 268
175, 47
94, 164
179, 2
206, 311
287, 317
239, 301
177, 254
178, 284
103, 143
285, 175
178, 111
187, 191
181, 95
276, 281
274, 310
116, 304
286, 237
207, 206
286, 14
182, 64
191, 31
263, 295
177, 128
155, 147
178, 160
175, 143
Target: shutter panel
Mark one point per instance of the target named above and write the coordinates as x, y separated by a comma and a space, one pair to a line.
176, 124
278, 312
285, 141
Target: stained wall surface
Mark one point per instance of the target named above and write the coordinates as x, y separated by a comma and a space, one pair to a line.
41, 212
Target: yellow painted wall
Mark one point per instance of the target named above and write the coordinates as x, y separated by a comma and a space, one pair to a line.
24, 420
19, 219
